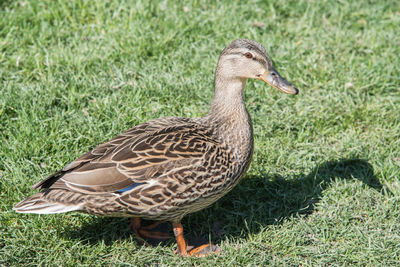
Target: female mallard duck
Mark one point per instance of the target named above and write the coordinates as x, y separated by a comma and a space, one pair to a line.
166, 168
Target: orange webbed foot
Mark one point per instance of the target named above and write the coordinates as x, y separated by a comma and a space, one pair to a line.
183, 249
204, 250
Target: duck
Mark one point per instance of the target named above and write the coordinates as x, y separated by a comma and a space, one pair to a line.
166, 168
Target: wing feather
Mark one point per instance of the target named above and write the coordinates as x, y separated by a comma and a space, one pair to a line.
147, 151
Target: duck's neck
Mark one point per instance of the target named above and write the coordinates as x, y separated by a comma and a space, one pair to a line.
228, 98
230, 117
231, 121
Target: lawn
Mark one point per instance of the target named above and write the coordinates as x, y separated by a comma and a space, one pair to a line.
323, 187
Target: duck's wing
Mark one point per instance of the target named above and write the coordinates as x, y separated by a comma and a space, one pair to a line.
143, 153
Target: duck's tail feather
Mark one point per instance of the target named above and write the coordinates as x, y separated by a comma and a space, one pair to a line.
39, 205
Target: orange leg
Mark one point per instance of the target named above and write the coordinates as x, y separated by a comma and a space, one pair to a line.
180, 240
199, 251
144, 232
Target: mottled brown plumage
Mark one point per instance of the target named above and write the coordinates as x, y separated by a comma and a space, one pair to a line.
166, 168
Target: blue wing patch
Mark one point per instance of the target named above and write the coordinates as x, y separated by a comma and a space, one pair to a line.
129, 187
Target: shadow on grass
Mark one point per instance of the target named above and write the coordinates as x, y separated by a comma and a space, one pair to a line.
264, 200
257, 201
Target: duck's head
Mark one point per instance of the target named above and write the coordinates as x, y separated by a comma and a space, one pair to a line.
245, 59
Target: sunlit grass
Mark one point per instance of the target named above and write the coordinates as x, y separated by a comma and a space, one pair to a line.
323, 187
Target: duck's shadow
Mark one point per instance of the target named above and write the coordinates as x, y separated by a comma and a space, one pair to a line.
257, 201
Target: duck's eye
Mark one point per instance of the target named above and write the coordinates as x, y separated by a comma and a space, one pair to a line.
248, 55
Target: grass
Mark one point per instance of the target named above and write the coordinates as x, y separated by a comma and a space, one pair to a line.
323, 187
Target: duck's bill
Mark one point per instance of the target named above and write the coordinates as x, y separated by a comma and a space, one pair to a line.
273, 78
